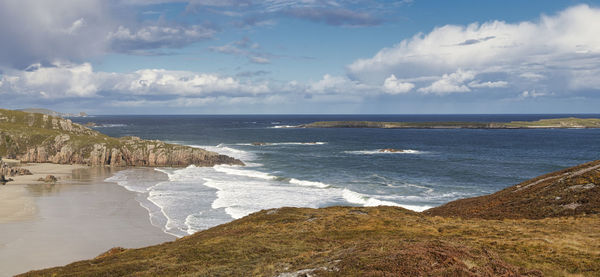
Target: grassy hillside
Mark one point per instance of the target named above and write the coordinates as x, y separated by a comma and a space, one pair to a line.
383, 241
569, 192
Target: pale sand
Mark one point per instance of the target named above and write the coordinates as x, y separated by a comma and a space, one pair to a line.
45, 225
17, 204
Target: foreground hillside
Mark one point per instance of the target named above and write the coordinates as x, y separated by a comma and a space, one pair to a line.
33, 137
570, 122
569, 192
386, 241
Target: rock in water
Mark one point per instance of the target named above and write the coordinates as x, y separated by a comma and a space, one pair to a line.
259, 143
49, 179
391, 150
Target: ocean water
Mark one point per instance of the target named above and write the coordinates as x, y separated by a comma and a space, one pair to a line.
302, 167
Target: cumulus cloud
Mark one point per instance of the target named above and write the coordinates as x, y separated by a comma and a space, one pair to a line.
63, 80
565, 46
330, 84
449, 83
56, 81
392, 85
185, 83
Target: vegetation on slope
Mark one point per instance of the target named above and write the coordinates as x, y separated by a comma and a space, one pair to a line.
569, 122
569, 192
350, 241
388, 241
33, 137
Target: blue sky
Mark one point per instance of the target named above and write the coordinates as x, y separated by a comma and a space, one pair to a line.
308, 56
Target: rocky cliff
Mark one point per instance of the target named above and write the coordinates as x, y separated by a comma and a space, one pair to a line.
33, 137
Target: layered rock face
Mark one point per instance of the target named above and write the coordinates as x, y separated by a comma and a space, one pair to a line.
42, 138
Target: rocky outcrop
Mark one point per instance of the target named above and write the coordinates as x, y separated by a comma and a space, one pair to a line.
41, 138
49, 179
9, 171
391, 150
128, 152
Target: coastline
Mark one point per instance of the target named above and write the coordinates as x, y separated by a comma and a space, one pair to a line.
78, 217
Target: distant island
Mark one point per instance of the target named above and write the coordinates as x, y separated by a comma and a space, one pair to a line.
557, 123
544, 226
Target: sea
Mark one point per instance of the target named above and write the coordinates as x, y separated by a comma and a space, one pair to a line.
288, 166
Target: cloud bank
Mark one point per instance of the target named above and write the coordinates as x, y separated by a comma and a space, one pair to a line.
560, 51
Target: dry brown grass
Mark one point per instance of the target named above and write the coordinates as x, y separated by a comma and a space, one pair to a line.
349, 241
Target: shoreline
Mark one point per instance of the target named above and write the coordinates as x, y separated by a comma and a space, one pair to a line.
78, 217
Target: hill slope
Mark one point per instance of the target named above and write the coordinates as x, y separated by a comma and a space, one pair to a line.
33, 137
384, 241
569, 192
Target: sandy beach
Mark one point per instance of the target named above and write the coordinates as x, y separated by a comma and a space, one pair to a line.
79, 217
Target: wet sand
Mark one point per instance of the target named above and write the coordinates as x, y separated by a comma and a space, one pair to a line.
45, 225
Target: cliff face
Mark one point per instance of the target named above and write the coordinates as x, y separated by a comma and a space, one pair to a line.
42, 138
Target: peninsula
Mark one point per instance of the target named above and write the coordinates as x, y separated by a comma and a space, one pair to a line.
557, 123
544, 226
41, 138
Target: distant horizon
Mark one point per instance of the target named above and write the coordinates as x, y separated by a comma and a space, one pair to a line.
300, 114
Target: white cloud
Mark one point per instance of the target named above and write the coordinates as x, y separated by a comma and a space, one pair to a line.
150, 37
450, 83
531, 94
259, 60
337, 85
59, 80
79, 80
392, 85
488, 84
245, 48
76, 26
565, 46
532, 76
185, 83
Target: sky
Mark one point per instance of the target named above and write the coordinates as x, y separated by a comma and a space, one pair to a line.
300, 56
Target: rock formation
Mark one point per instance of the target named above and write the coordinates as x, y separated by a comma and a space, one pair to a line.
391, 150
41, 138
8, 171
